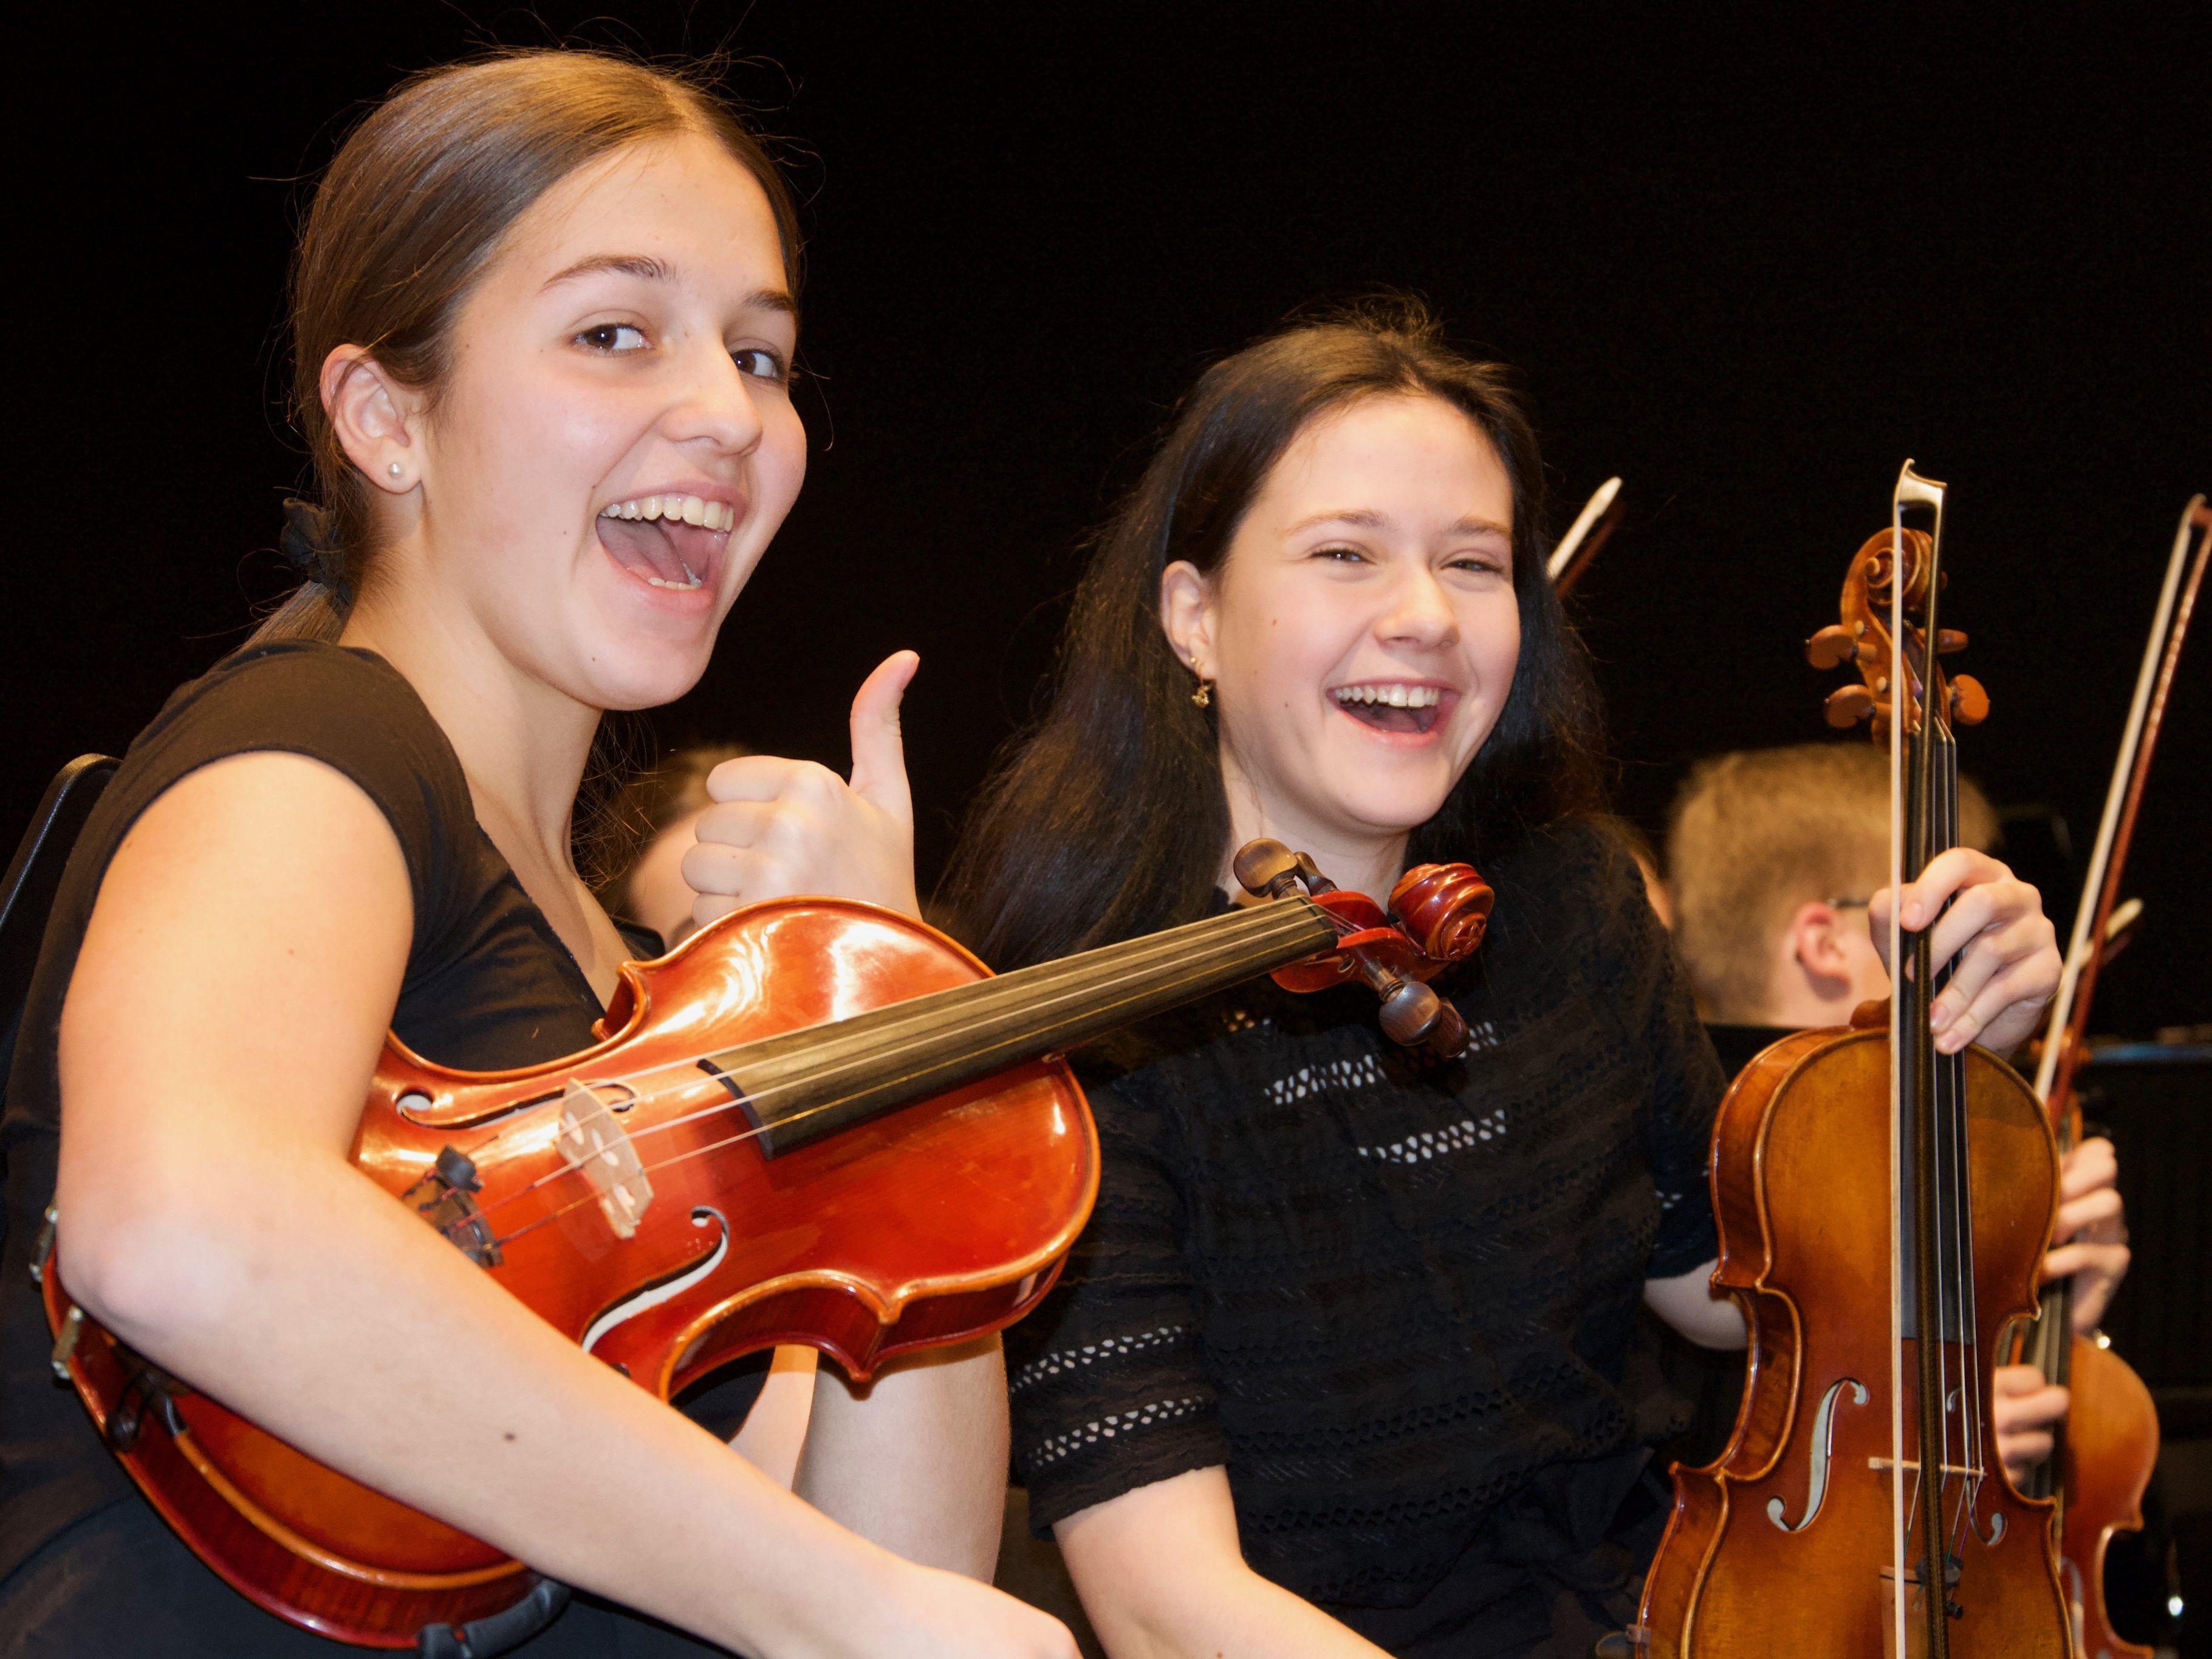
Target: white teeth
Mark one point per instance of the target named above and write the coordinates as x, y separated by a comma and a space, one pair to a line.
1397, 696
689, 509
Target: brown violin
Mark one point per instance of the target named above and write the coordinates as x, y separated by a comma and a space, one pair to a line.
1882, 1210
815, 1122
2107, 1447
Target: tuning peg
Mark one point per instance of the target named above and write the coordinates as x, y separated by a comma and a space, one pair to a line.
1830, 647
1949, 640
1848, 705
1414, 1015
1266, 867
1970, 704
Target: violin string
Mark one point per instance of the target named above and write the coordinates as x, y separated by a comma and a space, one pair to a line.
684, 1156
527, 1122
1970, 1315
758, 1097
886, 1053
680, 1158
1900, 1527
1939, 813
1932, 832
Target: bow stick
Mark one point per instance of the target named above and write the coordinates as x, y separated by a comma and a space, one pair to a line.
2093, 916
1593, 526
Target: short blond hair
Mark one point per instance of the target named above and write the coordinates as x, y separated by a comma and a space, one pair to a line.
1755, 833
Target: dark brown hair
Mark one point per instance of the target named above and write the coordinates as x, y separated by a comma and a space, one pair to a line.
1109, 819
412, 209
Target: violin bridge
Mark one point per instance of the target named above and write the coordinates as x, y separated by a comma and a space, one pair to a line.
601, 1152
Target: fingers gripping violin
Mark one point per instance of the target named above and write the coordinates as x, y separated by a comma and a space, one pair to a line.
1883, 1209
815, 1122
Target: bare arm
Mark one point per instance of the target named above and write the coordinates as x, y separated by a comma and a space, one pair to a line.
1687, 1303
1162, 1576
917, 1461
776, 1428
226, 1014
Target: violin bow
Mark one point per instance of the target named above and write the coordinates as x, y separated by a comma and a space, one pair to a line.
2093, 916
1592, 528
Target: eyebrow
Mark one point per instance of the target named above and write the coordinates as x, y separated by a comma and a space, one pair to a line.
1367, 518
646, 268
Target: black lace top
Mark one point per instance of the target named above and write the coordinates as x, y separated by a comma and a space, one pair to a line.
1394, 1296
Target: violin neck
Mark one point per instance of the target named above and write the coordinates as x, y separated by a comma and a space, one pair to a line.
804, 1086
1932, 1086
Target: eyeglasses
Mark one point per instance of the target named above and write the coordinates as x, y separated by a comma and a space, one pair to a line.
1847, 903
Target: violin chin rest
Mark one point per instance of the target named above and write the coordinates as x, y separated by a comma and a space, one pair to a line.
1872, 1015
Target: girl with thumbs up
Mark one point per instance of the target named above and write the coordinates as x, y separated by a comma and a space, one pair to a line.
544, 314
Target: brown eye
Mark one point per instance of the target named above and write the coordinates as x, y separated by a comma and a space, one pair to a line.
760, 363
612, 339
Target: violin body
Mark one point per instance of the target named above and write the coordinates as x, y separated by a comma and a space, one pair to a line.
944, 1219
1785, 1543
2108, 1452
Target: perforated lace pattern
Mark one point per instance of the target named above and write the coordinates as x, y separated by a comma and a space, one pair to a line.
1383, 1292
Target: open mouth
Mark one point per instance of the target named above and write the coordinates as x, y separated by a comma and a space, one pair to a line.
672, 542
1393, 706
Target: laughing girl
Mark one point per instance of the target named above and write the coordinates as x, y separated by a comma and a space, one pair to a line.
544, 316
1348, 1358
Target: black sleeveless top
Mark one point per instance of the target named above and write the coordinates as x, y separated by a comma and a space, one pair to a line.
488, 985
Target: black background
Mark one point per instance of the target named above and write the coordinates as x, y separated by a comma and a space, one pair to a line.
1750, 271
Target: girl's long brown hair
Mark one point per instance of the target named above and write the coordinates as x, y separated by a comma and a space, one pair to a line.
1109, 819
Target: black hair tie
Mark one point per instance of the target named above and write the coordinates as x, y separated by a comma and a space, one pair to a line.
309, 548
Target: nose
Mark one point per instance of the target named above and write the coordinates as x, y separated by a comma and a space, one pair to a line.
714, 404
1419, 613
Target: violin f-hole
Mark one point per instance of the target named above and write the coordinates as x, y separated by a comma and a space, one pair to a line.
1818, 1454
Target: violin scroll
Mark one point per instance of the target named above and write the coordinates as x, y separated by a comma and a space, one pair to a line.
1445, 908
1438, 914
1861, 640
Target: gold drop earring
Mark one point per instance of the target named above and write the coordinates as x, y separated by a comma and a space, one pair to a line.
1202, 696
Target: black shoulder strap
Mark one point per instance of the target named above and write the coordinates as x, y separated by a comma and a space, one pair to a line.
34, 876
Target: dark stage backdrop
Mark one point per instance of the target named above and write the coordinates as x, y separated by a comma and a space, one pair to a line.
1750, 272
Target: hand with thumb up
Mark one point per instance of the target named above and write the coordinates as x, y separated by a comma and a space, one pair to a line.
783, 827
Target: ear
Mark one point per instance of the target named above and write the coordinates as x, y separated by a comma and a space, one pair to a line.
1187, 617
376, 418
1816, 942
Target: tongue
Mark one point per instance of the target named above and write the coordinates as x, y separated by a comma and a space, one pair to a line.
1385, 718
647, 548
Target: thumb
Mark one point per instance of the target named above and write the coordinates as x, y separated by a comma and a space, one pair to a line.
879, 752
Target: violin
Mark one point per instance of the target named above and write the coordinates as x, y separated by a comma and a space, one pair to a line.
1882, 1210
815, 1121
2105, 1451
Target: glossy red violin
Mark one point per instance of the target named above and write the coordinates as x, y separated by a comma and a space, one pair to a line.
815, 1122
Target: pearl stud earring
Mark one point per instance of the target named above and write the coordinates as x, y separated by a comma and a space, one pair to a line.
393, 468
